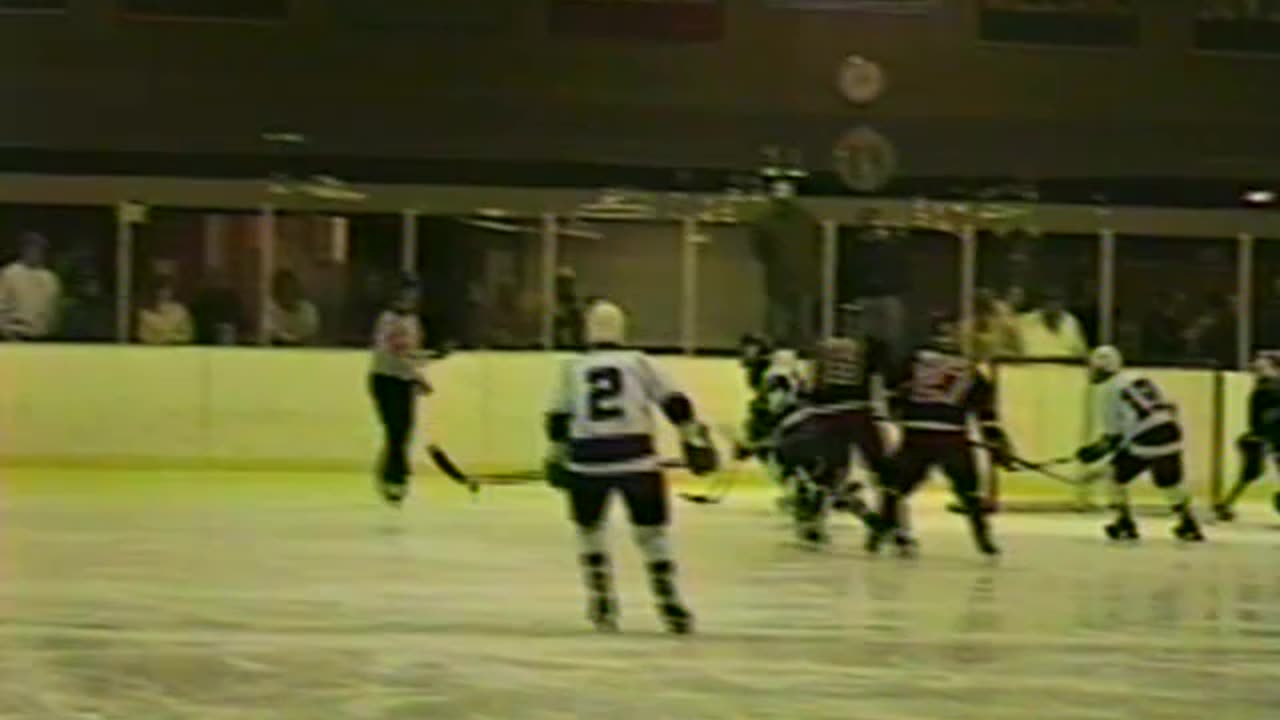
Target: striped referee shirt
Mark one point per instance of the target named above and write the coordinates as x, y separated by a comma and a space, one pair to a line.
397, 339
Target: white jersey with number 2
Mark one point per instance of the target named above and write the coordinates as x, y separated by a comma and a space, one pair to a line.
1135, 410
610, 397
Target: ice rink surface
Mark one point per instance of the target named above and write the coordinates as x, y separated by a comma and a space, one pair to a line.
156, 596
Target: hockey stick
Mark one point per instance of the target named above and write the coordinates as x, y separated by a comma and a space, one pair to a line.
1042, 468
720, 487
451, 470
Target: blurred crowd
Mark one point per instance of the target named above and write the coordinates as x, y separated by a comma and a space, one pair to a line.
1037, 297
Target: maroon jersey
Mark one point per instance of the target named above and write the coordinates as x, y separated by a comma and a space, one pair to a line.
941, 390
843, 371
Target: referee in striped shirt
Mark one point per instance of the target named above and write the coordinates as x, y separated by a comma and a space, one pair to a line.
395, 383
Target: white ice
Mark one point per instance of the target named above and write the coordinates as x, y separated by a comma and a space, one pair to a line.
218, 597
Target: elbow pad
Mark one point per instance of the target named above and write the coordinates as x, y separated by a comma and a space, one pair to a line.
678, 409
558, 427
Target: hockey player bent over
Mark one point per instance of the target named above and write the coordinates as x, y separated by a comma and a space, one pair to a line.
777, 396
601, 424
1141, 428
1263, 436
941, 391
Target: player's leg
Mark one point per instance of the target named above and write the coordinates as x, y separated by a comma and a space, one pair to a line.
1124, 468
962, 471
394, 401
1252, 451
1167, 473
649, 506
909, 469
588, 508
865, 436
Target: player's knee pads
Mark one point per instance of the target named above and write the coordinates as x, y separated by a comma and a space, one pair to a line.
591, 541
653, 543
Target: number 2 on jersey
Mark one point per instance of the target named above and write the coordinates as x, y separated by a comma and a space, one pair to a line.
606, 390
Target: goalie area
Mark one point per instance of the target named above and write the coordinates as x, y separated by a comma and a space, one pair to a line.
1050, 409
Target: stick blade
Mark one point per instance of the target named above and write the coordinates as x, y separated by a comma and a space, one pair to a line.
446, 465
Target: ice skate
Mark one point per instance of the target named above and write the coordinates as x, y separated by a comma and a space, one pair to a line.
906, 545
1188, 530
1123, 529
602, 613
982, 534
676, 617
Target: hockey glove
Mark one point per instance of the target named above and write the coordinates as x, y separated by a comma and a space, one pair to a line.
554, 468
1000, 447
1090, 454
699, 454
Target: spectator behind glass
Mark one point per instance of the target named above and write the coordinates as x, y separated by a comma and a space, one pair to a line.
292, 320
30, 293
1051, 331
89, 315
164, 320
219, 315
568, 317
994, 332
1164, 329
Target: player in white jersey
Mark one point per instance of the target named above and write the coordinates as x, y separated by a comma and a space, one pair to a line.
1141, 431
778, 394
601, 427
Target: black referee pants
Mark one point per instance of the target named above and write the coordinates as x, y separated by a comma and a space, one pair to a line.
394, 399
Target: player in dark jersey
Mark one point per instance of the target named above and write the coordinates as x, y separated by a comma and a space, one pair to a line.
1262, 437
836, 415
848, 385
938, 393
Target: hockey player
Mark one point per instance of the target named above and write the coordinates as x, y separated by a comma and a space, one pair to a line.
777, 396
835, 416
1141, 432
601, 426
1262, 437
938, 394
754, 354
848, 382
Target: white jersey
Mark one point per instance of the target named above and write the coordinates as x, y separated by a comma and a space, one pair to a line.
1135, 411
782, 385
609, 396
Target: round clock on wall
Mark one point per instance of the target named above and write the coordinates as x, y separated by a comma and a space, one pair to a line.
861, 81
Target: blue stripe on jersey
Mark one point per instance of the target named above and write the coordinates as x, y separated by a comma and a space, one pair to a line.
608, 450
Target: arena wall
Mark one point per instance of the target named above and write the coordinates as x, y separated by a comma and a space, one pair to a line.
246, 408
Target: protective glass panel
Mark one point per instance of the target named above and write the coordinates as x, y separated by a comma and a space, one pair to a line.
1176, 300
481, 281
330, 276
196, 277
637, 265
59, 273
907, 280
1036, 297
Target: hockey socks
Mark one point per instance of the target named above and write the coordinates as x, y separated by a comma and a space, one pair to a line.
656, 548
597, 578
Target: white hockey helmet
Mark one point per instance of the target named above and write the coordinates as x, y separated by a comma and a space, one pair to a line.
1104, 361
785, 359
606, 324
